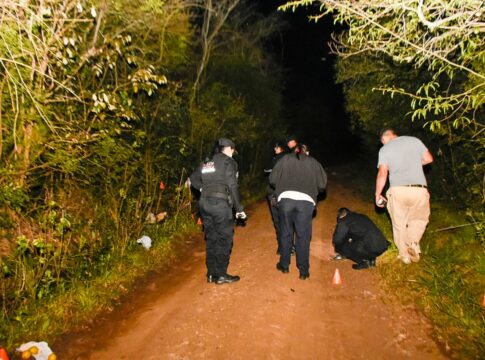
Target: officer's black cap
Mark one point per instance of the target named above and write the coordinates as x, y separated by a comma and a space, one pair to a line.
226, 142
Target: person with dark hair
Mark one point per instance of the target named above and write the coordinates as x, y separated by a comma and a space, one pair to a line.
297, 179
357, 238
403, 158
216, 179
279, 152
291, 143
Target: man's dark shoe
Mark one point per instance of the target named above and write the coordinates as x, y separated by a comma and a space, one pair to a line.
212, 278
364, 264
304, 276
227, 279
282, 269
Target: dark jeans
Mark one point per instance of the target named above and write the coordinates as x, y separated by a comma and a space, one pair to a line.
219, 232
356, 251
295, 217
273, 207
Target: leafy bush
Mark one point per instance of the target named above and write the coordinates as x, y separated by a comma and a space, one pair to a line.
99, 128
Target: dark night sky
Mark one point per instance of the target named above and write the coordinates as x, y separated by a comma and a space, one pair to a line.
314, 104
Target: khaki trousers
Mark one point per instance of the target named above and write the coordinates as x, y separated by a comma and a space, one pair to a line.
409, 211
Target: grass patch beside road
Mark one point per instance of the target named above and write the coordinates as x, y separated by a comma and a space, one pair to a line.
114, 274
448, 284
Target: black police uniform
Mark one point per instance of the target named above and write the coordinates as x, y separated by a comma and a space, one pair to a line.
217, 181
356, 237
273, 201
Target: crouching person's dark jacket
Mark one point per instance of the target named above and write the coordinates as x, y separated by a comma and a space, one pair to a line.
362, 231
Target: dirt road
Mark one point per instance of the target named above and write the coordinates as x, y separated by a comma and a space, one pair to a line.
266, 315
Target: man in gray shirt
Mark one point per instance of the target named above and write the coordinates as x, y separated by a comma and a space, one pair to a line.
403, 157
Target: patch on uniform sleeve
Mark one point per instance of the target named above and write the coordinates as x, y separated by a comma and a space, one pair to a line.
208, 167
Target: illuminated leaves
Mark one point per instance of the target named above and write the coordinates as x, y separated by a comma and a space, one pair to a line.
445, 38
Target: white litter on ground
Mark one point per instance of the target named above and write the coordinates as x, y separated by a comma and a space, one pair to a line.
145, 241
43, 349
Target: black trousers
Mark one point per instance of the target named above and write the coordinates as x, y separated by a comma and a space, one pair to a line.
295, 218
356, 251
273, 207
219, 232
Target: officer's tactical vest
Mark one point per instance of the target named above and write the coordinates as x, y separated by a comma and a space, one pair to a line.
214, 180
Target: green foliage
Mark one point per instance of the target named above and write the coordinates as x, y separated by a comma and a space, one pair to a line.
360, 76
94, 114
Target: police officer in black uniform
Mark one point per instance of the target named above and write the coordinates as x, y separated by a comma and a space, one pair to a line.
216, 179
279, 152
358, 238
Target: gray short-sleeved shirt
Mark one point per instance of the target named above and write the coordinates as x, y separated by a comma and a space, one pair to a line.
403, 156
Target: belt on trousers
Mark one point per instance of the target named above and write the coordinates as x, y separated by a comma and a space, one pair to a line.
215, 195
417, 185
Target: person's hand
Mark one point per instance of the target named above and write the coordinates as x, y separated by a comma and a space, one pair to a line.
380, 201
241, 215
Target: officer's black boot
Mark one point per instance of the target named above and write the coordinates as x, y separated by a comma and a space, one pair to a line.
227, 279
212, 278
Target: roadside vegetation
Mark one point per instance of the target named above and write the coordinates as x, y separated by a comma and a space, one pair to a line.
419, 67
105, 106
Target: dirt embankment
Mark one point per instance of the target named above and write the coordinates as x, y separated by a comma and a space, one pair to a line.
267, 315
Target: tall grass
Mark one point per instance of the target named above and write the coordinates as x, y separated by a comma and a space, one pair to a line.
448, 284
64, 270
80, 299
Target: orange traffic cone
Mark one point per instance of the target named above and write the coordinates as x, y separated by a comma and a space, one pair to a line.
337, 280
3, 354
199, 221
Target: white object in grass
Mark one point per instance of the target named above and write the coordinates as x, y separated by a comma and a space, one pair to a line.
145, 241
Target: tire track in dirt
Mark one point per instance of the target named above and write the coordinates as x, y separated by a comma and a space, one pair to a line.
267, 315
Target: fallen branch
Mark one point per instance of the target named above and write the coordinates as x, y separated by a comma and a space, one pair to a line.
456, 227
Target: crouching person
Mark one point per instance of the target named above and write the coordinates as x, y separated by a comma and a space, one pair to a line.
357, 238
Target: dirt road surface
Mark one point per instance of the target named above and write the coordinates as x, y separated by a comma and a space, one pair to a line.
266, 315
